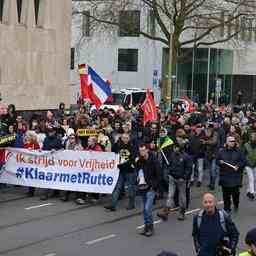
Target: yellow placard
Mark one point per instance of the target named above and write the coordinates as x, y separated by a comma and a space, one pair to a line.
86, 132
7, 138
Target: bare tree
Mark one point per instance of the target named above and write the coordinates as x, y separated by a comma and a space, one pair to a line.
178, 23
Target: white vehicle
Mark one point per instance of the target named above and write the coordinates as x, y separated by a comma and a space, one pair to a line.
125, 98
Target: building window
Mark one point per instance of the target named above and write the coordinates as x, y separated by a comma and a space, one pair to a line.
243, 28
19, 9
151, 23
222, 24
230, 25
1, 10
237, 29
72, 59
128, 60
37, 6
250, 29
129, 23
86, 24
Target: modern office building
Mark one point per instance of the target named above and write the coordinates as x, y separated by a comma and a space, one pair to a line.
131, 60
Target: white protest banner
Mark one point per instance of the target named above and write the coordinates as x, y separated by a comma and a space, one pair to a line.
84, 171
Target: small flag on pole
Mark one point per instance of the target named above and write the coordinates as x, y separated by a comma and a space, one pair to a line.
149, 108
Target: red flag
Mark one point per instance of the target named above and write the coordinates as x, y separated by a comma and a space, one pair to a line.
149, 108
86, 89
190, 108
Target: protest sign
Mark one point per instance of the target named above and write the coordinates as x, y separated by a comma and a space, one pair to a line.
84, 171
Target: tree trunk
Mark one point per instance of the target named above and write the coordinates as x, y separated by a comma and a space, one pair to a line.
169, 84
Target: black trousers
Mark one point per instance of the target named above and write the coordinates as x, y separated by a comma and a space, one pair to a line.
229, 193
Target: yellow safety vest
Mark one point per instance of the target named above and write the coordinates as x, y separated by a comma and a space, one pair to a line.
244, 254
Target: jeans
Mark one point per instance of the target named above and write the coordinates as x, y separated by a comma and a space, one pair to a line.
148, 205
213, 172
199, 164
130, 179
181, 187
251, 173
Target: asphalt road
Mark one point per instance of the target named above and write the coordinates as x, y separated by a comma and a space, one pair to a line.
29, 226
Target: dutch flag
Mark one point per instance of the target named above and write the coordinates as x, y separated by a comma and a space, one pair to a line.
93, 87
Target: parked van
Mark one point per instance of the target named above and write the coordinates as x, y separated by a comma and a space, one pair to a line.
126, 98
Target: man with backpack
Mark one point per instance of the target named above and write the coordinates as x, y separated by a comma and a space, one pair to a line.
214, 232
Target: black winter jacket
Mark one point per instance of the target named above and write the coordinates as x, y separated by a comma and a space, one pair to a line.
151, 170
228, 176
180, 166
127, 158
52, 142
195, 146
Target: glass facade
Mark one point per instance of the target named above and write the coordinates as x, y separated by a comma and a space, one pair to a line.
200, 71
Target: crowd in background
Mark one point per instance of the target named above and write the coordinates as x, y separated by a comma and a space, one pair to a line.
200, 134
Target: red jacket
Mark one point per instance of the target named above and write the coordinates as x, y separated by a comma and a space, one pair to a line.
96, 148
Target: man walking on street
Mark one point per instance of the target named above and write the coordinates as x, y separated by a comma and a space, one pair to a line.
127, 174
231, 162
148, 182
213, 230
179, 174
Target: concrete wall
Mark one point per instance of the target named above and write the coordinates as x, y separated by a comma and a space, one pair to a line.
35, 58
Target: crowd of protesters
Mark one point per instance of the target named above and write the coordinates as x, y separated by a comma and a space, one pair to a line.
176, 151
199, 138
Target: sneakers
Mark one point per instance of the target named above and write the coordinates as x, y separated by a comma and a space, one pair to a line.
110, 208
